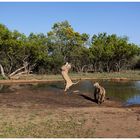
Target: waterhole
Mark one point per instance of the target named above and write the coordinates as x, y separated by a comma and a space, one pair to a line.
127, 92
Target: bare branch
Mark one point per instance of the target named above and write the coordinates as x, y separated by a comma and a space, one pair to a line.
2, 71
24, 67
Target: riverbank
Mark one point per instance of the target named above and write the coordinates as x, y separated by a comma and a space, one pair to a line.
114, 76
53, 114
35, 117
33, 113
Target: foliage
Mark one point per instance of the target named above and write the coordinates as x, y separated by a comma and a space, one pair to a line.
46, 53
111, 53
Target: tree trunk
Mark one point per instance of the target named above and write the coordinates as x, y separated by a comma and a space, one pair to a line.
83, 68
2, 72
21, 68
17, 73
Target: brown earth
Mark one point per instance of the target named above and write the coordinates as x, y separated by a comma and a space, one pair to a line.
70, 115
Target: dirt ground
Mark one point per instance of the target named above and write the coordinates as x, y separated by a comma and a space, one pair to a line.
55, 114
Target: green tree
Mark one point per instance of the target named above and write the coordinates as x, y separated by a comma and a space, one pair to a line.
111, 53
67, 43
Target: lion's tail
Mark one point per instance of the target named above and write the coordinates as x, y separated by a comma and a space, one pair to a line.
74, 83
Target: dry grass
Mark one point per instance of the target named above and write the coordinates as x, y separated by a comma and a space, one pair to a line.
92, 122
38, 124
132, 75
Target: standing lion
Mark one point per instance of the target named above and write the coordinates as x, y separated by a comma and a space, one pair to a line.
99, 93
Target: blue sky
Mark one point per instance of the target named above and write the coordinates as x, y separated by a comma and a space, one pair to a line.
85, 17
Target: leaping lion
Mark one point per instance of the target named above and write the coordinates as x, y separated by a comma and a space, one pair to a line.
65, 69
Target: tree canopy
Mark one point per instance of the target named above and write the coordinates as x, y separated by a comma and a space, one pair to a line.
46, 53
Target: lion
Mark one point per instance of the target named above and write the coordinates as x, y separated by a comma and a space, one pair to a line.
99, 93
65, 69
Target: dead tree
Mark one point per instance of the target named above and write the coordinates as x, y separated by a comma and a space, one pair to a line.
2, 72
25, 69
65, 69
17, 73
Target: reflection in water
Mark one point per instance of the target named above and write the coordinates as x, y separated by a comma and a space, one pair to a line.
120, 90
5, 89
128, 92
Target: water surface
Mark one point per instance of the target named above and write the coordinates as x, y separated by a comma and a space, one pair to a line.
127, 92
